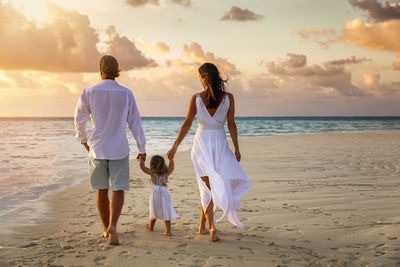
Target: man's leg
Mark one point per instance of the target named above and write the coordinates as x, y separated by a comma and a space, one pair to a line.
103, 206
119, 176
117, 202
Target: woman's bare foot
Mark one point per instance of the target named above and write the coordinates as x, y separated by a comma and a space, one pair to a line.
148, 227
213, 235
202, 231
166, 234
113, 236
105, 234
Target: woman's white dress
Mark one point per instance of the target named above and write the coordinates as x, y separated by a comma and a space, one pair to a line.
160, 203
212, 157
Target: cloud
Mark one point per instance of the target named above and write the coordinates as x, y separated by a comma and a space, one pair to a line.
128, 56
371, 81
238, 14
155, 47
377, 11
396, 64
161, 47
347, 61
137, 3
196, 53
381, 37
65, 42
322, 37
325, 77
185, 3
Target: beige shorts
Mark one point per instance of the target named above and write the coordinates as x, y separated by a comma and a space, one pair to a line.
102, 171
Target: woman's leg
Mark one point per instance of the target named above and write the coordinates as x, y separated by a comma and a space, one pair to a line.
202, 225
167, 228
150, 226
210, 215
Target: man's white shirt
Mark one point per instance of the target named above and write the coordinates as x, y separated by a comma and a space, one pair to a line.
110, 107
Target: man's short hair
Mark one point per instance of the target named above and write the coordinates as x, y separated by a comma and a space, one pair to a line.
109, 67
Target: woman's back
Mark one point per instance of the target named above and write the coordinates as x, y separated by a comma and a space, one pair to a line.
216, 121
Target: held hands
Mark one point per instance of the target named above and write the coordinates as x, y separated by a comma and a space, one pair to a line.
141, 157
237, 155
171, 152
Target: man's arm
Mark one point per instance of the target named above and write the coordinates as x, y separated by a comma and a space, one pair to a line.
135, 125
81, 115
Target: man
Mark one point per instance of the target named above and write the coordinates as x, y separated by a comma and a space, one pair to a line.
110, 106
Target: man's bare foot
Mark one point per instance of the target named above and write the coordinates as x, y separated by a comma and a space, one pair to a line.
213, 235
149, 228
203, 231
166, 234
113, 236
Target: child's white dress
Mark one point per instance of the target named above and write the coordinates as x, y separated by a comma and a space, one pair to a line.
160, 202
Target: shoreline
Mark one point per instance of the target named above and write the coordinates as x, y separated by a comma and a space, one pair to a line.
307, 206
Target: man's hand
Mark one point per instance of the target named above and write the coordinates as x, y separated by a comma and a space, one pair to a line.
141, 156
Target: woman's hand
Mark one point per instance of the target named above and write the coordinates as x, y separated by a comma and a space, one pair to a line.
171, 152
237, 155
86, 146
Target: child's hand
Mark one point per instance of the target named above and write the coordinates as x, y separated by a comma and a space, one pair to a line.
141, 157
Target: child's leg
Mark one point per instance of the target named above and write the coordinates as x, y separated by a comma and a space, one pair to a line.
150, 226
167, 228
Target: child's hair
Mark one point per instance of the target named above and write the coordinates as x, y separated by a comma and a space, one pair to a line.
157, 164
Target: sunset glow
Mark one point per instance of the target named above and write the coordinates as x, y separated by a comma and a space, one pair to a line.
297, 58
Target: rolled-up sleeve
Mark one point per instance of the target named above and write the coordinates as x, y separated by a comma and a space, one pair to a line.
81, 116
135, 125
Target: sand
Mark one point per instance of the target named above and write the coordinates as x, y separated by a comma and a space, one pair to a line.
321, 200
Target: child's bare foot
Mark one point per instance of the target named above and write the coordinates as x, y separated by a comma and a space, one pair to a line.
166, 234
148, 227
213, 235
202, 231
113, 236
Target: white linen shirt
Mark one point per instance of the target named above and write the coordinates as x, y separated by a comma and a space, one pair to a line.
110, 106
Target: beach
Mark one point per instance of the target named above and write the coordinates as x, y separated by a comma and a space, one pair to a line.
329, 199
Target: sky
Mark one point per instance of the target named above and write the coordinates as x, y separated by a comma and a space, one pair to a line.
281, 58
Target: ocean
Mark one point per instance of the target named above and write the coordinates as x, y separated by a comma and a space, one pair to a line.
41, 155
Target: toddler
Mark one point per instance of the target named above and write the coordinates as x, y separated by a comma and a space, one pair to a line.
160, 202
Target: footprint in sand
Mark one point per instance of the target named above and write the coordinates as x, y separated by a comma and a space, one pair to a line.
249, 250
124, 254
29, 245
100, 261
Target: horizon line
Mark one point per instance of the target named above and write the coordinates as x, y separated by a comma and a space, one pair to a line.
261, 116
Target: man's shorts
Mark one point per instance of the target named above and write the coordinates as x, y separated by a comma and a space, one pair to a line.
103, 170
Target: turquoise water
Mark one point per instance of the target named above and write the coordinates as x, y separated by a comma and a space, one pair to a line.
40, 155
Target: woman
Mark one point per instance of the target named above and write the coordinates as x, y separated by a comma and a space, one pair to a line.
221, 180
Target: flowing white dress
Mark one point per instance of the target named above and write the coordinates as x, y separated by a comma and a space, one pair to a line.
160, 203
212, 157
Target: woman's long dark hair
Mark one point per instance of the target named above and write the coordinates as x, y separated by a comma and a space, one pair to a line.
215, 86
